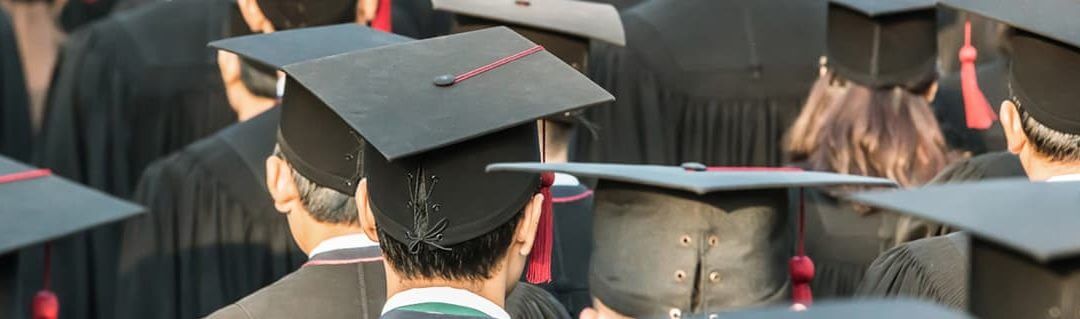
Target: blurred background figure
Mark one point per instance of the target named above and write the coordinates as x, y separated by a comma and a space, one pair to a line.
15, 130
714, 82
868, 114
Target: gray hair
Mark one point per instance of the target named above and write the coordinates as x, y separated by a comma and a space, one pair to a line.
325, 204
1056, 145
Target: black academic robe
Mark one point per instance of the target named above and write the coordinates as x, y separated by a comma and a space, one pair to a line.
949, 109
527, 301
843, 242
132, 87
418, 20
933, 269
715, 82
211, 234
346, 283
572, 246
15, 129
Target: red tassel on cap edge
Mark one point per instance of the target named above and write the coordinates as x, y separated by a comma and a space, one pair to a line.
46, 305
977, 110
801, 267
383, 20
538, 270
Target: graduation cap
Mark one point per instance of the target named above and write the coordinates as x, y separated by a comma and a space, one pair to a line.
39, 207
1025, 251
434, 113
860, 308
1044, 49
315, 141
709, 219
883, 43
563, 27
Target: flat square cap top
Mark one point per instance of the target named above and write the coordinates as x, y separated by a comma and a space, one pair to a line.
281, 48
1054, 19
396, 97
36, 210
590, 20
677, 178
877, 8
1035, 219
862, 308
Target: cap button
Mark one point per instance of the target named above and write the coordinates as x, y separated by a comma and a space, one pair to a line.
444, 80
694, 166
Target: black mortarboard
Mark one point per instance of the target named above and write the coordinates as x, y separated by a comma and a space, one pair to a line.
725, 236
861, 308
315, 141
1044, 48
883, 43
563, 27
38, 207
1025, 252
434, 113
291, 14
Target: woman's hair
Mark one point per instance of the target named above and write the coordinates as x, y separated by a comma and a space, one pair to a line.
880, 132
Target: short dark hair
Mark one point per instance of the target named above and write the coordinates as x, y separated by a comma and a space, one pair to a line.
325, 204
473, 260
1056, 145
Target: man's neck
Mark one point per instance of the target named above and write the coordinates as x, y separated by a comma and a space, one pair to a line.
493, 289
1041, 169
317, 233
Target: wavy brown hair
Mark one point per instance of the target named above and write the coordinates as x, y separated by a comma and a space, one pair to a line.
880, 132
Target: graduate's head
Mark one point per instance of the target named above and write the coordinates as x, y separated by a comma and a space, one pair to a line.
264, 16
313, 210
1040, 118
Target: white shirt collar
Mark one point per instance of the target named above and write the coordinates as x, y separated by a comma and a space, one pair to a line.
342, 242
453, 296
1065, 178
565, 180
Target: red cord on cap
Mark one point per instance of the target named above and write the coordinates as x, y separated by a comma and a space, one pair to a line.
383, 20
538, 270
978, 112
46, 305
801, 267
24, 175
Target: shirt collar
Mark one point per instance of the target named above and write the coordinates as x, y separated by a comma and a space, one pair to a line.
562, 179
342, 242
1065, 178
453, 296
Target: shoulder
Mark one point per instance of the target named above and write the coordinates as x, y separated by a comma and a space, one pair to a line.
325, 291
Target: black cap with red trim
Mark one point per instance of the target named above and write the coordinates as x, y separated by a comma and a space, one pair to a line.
434, 113
883, 43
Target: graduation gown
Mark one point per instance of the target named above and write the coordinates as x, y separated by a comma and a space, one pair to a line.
345, 283
527, 301
572, 246
949, 109
934, 269
15, 129
843, 243
131, 88
715, 82
211, 234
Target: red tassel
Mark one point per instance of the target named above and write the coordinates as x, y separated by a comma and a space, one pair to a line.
383, 17
539, 268
978, 112
801, 267
46, 305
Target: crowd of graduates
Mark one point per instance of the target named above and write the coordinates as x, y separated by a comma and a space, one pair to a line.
545, 159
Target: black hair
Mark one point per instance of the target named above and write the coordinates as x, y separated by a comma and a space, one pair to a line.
473, 260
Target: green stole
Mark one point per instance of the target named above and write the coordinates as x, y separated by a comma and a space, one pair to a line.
444, 309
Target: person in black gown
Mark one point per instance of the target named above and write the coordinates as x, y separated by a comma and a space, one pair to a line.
868, 114
212, 235
15, 131
1039, 119
127, 90
714, 82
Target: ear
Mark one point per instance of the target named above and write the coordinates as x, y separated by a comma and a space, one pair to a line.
931, 92
365, 10
367, 216
254, 17
1014, 129
525, 233
280, 183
